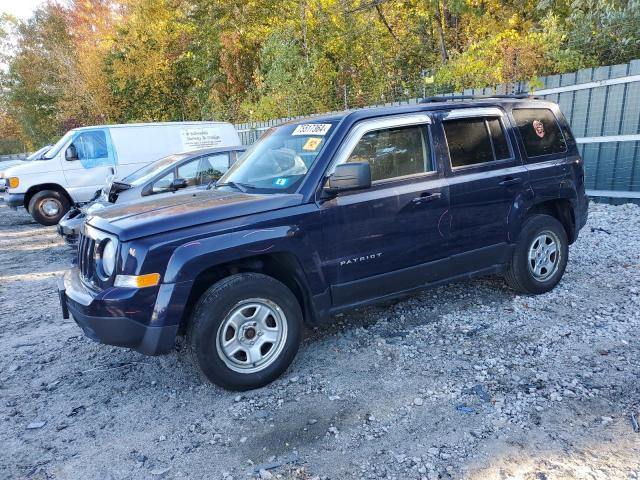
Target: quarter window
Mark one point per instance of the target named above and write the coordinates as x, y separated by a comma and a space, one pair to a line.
394, 152
539, 130
473, 141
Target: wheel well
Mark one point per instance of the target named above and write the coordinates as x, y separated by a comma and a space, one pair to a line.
561, 210
284, 267
44, 186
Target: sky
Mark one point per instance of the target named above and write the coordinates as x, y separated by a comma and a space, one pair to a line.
20, 8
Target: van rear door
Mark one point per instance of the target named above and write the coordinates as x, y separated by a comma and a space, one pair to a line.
93, 162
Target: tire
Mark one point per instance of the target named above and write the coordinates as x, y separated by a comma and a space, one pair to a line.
533, 268
226, 319
48, 207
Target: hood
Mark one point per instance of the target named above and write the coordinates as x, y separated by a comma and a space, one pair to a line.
32, 167
4, 166
180, 210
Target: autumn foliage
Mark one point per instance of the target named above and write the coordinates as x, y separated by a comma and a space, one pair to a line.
81, 62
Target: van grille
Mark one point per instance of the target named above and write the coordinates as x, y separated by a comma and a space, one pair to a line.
86, 262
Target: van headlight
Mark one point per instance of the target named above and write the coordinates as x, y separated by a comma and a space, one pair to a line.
108, 257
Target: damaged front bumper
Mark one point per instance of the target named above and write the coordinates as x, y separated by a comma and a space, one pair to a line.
123, 317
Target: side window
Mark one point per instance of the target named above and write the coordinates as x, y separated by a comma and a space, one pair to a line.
498, 139
473, 141
394, 152
540, 131
468, 141
213, 167
189, 172
91, 145
162, 184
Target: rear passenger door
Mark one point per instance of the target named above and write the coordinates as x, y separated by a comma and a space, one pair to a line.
486, 178
374, 240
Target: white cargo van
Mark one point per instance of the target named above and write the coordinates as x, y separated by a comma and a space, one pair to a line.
79, 163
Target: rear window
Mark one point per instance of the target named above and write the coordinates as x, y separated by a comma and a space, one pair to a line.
473, 141
540, 131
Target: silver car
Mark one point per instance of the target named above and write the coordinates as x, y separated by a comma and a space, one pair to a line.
166, 176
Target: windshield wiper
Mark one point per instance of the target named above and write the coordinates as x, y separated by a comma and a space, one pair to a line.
237, 185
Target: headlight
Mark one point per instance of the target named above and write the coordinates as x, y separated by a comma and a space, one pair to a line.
13, 182
108, 257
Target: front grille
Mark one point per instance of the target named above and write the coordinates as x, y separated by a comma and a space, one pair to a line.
86, 262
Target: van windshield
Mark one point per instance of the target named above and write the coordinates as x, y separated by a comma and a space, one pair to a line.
280, 160
142, 175
53, 151
38, 154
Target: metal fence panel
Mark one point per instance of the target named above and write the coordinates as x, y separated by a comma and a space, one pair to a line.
598, 102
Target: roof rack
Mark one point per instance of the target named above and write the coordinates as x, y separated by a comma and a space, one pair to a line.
448, 98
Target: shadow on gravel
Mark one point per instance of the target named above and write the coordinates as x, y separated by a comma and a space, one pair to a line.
492, 289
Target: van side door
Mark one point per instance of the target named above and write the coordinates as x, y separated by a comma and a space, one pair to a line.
378, 241
87, 162
486, 179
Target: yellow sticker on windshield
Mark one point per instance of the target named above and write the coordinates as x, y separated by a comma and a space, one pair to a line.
312, 144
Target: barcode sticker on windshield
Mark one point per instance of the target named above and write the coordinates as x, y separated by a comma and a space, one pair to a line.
312, 129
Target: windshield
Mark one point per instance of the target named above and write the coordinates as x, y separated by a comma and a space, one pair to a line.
53, 151
280, 159
39, 154
144, 174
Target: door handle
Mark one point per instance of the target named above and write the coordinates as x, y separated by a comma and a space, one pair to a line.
427, 197
509, 181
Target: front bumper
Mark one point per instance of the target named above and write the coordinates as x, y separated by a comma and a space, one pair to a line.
14, 200
124, 317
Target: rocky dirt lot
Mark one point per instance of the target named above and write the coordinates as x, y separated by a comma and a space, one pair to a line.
465, 381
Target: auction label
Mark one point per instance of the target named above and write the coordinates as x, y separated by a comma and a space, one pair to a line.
312, 144
312, 129
202, 137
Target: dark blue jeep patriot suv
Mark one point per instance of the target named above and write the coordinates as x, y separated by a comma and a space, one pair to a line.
325, 214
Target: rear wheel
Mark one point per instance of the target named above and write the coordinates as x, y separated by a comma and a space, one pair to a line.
48, 207
540, 257
245, 331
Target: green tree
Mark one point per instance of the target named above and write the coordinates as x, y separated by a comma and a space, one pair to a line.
37, 74
604, 31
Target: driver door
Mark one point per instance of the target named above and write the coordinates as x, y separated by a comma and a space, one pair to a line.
94, 162
391, 236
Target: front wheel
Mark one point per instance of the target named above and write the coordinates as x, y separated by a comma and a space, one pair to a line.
540, 256
245, 331
48, 207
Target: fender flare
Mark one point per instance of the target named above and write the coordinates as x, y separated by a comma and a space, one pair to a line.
524, 203
191, 259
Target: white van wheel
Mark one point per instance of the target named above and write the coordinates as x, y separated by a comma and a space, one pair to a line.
48, 207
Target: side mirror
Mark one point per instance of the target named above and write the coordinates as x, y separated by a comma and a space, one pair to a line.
177, 184
71, 153
348, 176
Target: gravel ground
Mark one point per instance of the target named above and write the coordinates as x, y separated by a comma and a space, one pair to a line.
465, 381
